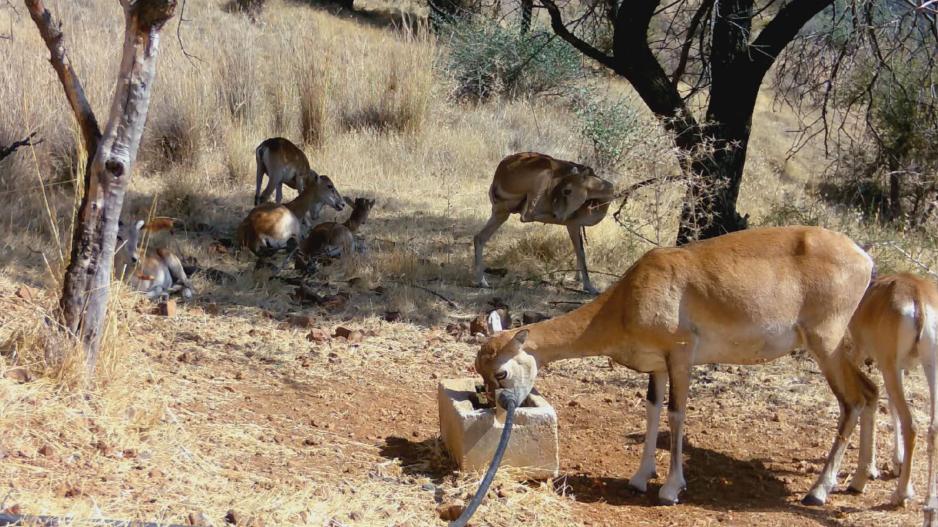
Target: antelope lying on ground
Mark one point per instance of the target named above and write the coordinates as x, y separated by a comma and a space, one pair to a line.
285, 164
546, 190
269, 227
333, 239
157, 274
897, 325
742, 298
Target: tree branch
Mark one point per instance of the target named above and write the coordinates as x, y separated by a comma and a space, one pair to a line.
560, 29
51, 33
782, 29
6, 151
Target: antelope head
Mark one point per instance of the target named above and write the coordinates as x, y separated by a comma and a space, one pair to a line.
506, 366
571, 193
328, 194
128, 239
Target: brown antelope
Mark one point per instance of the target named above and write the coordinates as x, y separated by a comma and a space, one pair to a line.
269, 227
337, 239
546, 190
742, 298
285, 164
897, 325
157, 274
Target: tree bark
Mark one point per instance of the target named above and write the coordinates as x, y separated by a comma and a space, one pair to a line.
83, 305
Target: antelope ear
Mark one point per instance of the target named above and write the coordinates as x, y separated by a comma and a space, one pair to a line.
520, 337
349, 201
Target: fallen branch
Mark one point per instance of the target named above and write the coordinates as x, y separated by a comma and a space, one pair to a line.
6, 151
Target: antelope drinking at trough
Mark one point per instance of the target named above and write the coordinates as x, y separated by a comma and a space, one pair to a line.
742, 298
333, 239
897, 325
546, 190
158, 273
285, 164
269, 227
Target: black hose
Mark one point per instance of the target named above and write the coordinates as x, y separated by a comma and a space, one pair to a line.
54, 521
507, 401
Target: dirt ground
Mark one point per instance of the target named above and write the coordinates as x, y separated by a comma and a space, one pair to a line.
252, 407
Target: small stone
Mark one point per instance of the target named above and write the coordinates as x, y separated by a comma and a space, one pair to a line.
232, 518
167, 308
317, 335
18, 375
449, 512
355, 337
342, 332
776, 418
311, 441
26, 293
355, 516
429, 487
155, 473
46, 451
197, 519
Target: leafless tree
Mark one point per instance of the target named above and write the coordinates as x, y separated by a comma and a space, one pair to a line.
111, 156
698, 65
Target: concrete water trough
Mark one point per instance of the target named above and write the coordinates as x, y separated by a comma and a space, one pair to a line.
471, 430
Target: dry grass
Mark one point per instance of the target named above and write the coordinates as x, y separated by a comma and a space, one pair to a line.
162, 433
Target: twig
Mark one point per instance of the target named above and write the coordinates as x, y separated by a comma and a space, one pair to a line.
182, 18
51, 521
451, 304
571, 302
6, 151
908, 256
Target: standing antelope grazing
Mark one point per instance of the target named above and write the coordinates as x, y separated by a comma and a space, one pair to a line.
270, 227
742, 298
337, 239
546, 190
157, 274
285, 164
897, 325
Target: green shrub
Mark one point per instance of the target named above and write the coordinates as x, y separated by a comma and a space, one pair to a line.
486, 59
612, 126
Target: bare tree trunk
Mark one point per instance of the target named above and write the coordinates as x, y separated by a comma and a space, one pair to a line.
111, 156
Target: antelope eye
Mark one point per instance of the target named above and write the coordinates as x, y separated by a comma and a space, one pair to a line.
331, 187
567, 191
500, 376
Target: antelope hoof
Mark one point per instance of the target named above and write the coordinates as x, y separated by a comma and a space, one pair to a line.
666, 502
483, 283
589, 289
931, 514
855, 490
903, 499
812, 501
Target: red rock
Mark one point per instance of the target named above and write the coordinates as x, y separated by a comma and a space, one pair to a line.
317, 335
449, 512
167, 308
27, 293
342, 332
46, 451
197, 519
